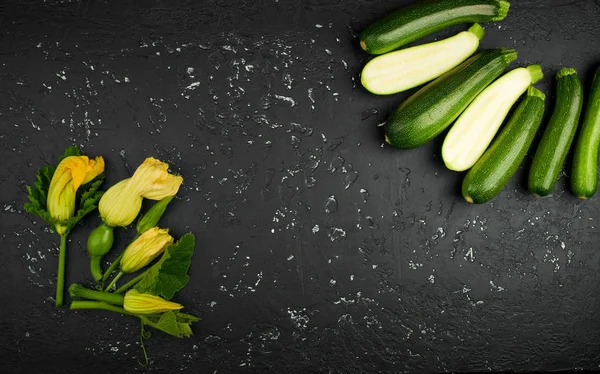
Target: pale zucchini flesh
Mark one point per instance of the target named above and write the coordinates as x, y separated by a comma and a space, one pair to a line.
408, 68
474, 130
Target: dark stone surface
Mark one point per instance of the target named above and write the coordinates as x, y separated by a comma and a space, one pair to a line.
257, 104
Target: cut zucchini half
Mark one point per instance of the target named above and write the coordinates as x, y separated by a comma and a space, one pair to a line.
474, 130
408, 68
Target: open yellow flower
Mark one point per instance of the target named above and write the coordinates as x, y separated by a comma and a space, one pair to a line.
144, 303
144, 249
71, 173
122, 202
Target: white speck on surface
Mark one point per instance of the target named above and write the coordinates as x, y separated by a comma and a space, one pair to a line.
193, 86
431, 279
439, 233
332, 282
470, 255
286, 99
331, 205
299, 318
315, 229
496, 288
290, 257
336, 233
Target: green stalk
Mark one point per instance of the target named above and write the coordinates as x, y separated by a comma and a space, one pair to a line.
77, 290
96, 267
78, 305
130, 284
114, 281
112, 268
60, 278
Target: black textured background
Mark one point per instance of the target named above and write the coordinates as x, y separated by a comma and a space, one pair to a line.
318, 248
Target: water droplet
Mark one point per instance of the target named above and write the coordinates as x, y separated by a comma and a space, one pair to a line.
336, 164
266, 102
296, 141
286, 192
298, 128
336, 234
350, 177
364, 194
439, 233
368, 113
352, 30
331, 205
371, 223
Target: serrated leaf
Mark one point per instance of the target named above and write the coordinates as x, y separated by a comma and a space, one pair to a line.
88, 202
42, 184
89, 191
38, 194
42, 213
174, 323
70, 151
169, 274
186, 318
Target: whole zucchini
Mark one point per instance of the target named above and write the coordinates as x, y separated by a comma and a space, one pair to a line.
422, 18
434, 107
558, 136
499, 163
584, 176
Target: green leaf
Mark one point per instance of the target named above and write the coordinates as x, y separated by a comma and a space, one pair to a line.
173, 323
169, 274
151, 218
38, 194
43, 214
186, 318
70, 151
88, 202
89, 191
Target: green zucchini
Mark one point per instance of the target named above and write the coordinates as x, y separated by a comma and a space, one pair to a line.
408, 68
428, 112
584, 176
474, 130
558, 136
493, 170
422, 18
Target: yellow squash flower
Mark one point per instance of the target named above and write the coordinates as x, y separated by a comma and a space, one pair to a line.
144, 303
122, 202
144, 249
71, 173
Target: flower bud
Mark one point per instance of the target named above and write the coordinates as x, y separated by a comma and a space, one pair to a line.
120, 205
151, 218
70, 174
144, 249
145, 303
